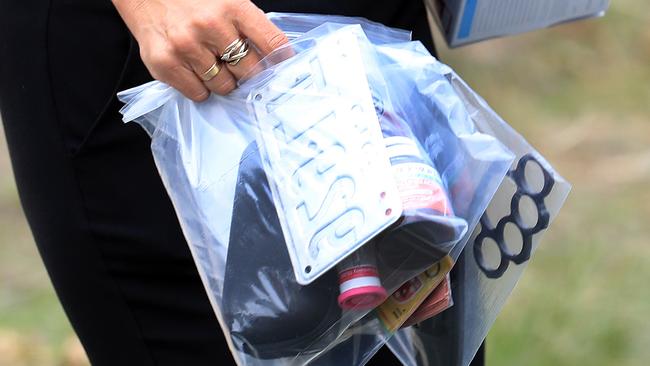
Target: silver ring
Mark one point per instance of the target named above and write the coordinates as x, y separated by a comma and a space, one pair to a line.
235, 51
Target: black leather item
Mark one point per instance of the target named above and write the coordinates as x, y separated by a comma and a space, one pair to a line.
414, 244
269, 314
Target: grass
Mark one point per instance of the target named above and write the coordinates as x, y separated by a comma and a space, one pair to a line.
580, 93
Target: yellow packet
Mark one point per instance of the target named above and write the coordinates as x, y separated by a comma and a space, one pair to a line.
407, 299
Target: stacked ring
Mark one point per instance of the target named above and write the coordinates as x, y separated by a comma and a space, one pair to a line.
235, 51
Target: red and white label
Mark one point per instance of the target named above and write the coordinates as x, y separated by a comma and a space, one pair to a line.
420, 186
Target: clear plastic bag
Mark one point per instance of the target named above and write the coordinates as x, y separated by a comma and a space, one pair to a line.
499, 250
235, 198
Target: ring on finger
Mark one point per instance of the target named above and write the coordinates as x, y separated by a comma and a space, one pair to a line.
235, 51
211, 72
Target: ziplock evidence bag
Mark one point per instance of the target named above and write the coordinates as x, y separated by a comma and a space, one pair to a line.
498, 252
272, 204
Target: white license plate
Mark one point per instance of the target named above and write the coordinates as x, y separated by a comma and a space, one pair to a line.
324, 155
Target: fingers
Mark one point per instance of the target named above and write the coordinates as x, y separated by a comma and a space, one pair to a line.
223, 82
187, 83
183, 64
180, 52
247, 22
253, 23
227, 35
166, 68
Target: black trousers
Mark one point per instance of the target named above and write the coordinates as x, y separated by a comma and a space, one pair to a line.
101, 219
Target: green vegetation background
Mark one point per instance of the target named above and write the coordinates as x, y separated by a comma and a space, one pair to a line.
581, 94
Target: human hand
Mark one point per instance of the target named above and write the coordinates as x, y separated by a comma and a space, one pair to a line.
180, 40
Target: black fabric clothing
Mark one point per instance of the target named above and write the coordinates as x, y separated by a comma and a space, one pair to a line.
102, 221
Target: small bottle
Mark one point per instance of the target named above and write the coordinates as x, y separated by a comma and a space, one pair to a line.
418, 182
428, 229
359, 282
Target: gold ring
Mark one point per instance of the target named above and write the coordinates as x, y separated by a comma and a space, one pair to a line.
211, 73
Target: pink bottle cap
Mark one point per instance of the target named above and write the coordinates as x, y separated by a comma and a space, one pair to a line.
360, 289
362, 298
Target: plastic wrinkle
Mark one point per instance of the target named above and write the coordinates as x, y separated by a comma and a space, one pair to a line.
286, 183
